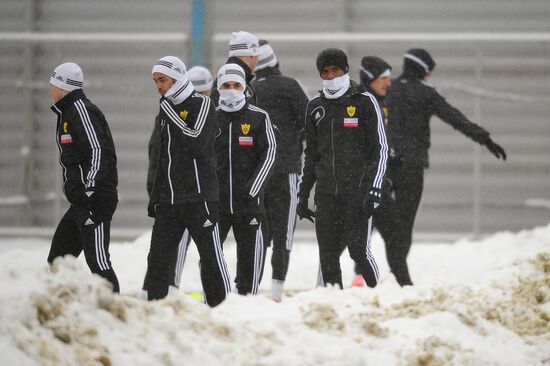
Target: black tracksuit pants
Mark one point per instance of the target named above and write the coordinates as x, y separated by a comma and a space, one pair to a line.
340, 222
249, 233
408, 184
281, 199
394, 219
73, 236
201, 219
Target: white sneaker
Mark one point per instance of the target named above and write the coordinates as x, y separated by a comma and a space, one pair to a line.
277, 287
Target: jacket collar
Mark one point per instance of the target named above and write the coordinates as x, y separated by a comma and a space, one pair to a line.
235, 60
68, 100
268, 71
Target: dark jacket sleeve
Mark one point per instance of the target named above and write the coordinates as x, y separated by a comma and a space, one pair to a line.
268, 149
93, 135
311, 156
154, 150
456, 119
299, 105
376, 139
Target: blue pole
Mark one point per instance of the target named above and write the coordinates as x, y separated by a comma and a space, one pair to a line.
197, 32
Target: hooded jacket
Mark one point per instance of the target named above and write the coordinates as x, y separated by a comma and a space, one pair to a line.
346, 148
86, 149
246, 151
285, 101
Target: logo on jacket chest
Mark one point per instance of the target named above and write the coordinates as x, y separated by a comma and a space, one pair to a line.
66, 139
245, 140
183, 114
351, 121
245, 127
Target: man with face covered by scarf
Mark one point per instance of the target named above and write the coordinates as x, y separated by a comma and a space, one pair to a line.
345, 156
246, 150
184, 192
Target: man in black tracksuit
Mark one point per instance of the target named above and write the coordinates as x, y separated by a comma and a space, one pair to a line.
88, 158
246, 151
345, 156
285, 101
244, 49
204, 79
184, 194
412, 102
375, 78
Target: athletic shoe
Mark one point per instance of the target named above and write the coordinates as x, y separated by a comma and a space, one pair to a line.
358, 281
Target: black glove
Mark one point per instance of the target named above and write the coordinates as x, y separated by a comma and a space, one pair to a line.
100, 206
371, 201
495, 148
394, 159
303, 210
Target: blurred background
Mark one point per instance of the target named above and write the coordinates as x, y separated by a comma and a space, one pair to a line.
493, 63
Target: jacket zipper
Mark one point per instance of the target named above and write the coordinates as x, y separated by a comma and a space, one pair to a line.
230, 172
333, 155
57, 137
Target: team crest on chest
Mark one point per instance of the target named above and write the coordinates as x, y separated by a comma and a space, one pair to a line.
385, 110
183, 114
245, 127
65, 127
351, 110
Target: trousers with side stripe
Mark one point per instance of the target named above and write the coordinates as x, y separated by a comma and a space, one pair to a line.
201, 219
178, 262
340, 222
73, 236
249, 233
281, 199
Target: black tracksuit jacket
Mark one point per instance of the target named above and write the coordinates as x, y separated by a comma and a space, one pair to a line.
337, 158
285, 101
249, 91
186, 160
246, 151
412, 103
86, 147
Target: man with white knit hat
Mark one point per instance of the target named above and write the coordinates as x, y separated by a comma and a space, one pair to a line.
201, 79
246, 150
88, 158
285, 100
244, 49
184, 191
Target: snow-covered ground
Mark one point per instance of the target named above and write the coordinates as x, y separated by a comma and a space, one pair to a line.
474, 303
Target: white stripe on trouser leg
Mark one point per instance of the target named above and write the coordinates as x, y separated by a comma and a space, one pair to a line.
220, 259
370, 257
293, 191
99, 248
182, 253
258, 258
320, 281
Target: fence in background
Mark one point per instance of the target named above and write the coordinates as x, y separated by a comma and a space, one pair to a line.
501, 81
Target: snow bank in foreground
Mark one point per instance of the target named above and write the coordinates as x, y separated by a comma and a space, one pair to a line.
498, 315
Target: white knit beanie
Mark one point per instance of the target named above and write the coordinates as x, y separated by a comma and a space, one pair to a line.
243, 44
201, 78
67, 76
231, 72
267, 57
171, 66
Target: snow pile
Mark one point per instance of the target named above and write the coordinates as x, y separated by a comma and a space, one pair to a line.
474, 303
